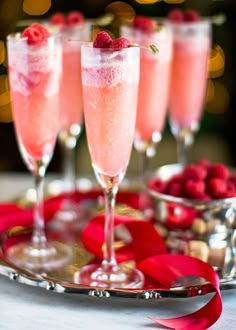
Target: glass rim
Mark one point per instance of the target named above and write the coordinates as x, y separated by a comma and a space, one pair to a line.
89, 45
185, 25
18, 37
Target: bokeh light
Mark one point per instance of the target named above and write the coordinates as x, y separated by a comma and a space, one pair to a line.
38, 7
174, 1
216, 62
122, 11
5, 100
147, 2
217, 97
2, 52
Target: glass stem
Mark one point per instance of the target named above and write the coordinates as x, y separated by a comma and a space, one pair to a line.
109, 254
68, 169
144, 162
39, 237
182, 151
110, 187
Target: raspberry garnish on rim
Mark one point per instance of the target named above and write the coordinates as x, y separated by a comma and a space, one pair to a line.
180, 16
35, 33
104, 40
145, 24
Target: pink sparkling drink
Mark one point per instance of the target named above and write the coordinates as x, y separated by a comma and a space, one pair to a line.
110, 89
192, 42
34, 80
154, 80
71, 105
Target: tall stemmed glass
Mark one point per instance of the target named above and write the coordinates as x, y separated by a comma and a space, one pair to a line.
110, 89
71, 117
192, 42
34, 72
153, 88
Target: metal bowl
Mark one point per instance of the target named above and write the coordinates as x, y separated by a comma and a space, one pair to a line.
203, 229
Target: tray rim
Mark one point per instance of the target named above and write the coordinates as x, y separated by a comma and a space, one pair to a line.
44, 281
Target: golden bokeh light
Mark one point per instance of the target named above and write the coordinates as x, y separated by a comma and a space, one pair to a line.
38, 7
4, 85
174, 1
218, 95
210, 91
6, 113
5, 98
217, 62
2, 52
122, 11
147, 2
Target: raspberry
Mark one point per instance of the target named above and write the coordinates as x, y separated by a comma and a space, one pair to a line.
35, 33
203, 163
216, 187
232, 181
194, 189
194, 172
229, 194
75, 17
191, 16
157, 184
204, 197
102, 40
145, 24
177, 178
120, 43
58, 19
176, 16
218, 170
175, 189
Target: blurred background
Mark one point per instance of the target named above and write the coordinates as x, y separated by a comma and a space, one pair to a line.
216, 139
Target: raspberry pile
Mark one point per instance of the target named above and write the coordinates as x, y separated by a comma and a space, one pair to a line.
73, 18
145, 24
35, 33
180, 16
202, 181
104, 40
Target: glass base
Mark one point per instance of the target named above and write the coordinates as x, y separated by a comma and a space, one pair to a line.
52, 256
70, 217
119, 277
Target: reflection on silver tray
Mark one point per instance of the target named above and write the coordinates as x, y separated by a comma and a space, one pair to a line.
63, 280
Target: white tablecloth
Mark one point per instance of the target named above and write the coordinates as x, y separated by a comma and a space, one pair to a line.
27, 307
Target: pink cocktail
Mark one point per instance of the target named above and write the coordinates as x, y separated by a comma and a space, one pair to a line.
71, 105
71, 117
34, 72
110, 80
192, 42
110, 101
154, 84
34, 93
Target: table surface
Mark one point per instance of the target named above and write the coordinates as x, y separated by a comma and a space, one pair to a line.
27, 307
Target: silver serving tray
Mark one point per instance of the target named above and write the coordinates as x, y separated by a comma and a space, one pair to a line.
62, 280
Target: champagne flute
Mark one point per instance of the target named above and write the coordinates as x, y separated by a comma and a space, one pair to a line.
110, 89
153, 87
71, 118
34, 72
191, 48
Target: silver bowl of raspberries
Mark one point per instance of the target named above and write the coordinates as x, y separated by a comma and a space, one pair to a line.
195, 208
